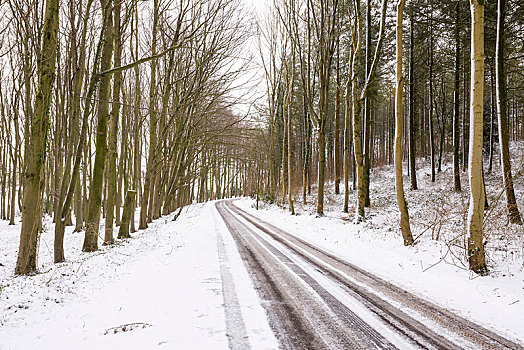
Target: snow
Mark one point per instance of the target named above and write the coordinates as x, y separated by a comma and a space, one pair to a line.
433, 269
184, 285
166, 280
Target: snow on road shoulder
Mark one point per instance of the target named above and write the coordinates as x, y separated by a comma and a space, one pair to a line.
254, 318
495, 302
164, 284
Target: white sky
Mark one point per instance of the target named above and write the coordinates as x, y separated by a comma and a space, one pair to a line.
258, 5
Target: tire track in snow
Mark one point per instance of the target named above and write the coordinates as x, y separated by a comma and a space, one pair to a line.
302, 313
235, 326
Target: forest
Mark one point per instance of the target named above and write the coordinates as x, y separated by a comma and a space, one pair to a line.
114, 114
261, 174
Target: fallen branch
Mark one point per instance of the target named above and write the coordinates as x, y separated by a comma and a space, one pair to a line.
126, 327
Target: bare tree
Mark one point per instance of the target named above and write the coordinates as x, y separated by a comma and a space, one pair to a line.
32, 197
476, 256
399, 184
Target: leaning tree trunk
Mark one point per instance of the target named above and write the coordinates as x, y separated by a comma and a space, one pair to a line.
399, 184
35, 147
476, 256
513, 210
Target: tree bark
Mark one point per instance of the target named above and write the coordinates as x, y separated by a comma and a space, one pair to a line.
367, 110
399, 184
338, 159
123, 231
476, 256
513, 211
456, 98
97, 182
347, 143
412, 160
33, 184
291, 72
491, 118
113, 133
431, 104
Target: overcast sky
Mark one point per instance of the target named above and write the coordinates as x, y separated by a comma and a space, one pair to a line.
253, 79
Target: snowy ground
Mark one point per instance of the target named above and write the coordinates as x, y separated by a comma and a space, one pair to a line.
436, 267
166, 280
183, 284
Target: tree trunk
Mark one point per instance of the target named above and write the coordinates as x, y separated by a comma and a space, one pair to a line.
148, 182
367, 110
456, 131
513, 211
412, 167
399, 184
307, 150
123, 231
113, 133
291, 71
321, 168
431, 105
338, 159
33, 184
137, 123
476, 257
96, 186
442, 125
14, 156
491, 118
347, 143
284, 153
358, 99
359, 157
465, 136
